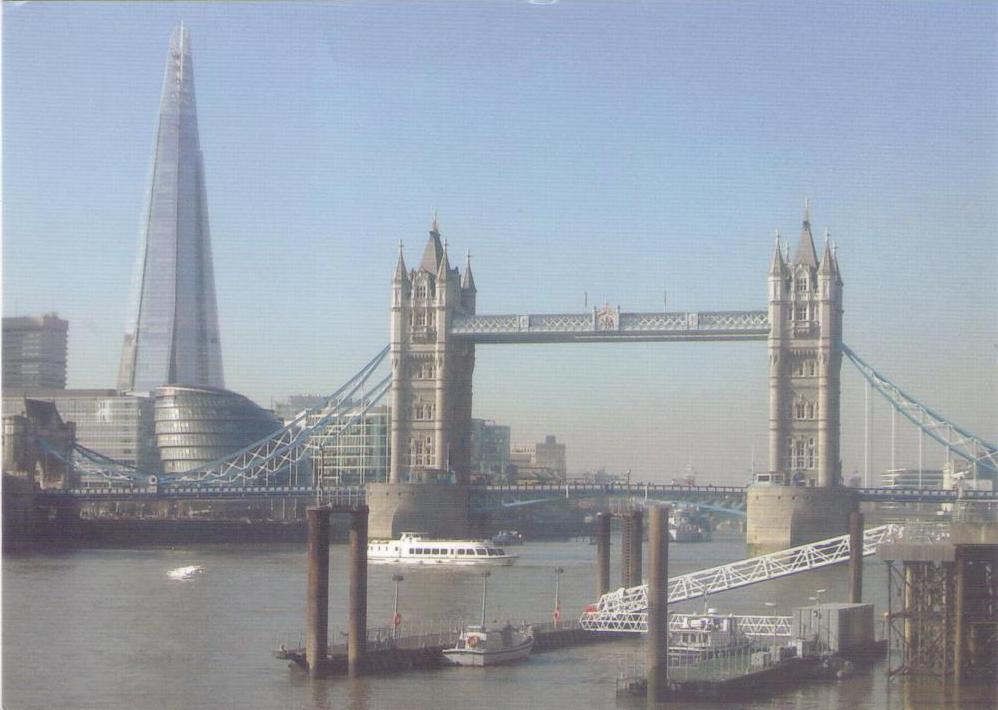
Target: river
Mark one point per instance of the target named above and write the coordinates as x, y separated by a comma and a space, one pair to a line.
108, 629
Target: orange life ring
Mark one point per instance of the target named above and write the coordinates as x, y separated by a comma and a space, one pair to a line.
472, 641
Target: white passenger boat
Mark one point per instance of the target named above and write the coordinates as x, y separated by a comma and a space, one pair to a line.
417, 548
480, 647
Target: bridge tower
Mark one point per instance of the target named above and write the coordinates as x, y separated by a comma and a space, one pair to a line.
430, 398
431, 372
804, 500
805, 360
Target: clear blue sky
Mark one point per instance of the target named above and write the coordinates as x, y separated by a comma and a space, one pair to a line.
615, 148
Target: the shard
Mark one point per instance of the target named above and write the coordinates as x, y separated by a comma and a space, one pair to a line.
172, 331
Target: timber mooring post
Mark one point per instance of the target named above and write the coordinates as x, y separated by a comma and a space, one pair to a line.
603, 552
657, 641
625, 549
317, 607
357, 623
637, 531
856, 557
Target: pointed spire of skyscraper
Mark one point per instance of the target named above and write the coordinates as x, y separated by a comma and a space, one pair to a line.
172, 332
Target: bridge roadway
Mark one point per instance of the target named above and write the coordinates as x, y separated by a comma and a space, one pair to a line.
511, 494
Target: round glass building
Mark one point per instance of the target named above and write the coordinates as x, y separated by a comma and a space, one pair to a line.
196, 425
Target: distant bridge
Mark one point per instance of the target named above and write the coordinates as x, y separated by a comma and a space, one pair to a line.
723, 499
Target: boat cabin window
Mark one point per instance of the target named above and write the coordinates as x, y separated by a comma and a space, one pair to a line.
480, 551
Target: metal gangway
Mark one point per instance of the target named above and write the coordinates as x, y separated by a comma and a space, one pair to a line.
626, 609
750, 625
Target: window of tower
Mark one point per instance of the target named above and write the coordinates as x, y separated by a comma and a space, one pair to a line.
421, 291
802, 284
800, 312
812, 368
810, 452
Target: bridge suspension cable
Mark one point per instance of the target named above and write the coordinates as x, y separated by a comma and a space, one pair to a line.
265, 458
626, 609
956, 439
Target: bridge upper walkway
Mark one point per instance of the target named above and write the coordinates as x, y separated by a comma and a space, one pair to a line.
513, 494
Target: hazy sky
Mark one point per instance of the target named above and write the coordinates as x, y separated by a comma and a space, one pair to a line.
619, 149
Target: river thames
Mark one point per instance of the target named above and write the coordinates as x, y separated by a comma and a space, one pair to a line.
109, 629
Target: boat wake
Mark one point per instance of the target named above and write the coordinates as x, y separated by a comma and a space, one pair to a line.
184, 573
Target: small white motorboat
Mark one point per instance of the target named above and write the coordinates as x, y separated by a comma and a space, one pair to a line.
480, 647
182, 573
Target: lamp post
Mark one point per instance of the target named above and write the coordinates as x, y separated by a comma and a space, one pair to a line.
396, 617
485, 587
557, 595
771, 605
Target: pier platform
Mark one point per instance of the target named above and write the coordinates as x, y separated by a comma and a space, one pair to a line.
425, 651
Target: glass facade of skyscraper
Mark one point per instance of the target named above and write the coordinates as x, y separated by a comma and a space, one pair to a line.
172, 335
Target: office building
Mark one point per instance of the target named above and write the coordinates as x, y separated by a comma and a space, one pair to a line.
172, 334
34, 352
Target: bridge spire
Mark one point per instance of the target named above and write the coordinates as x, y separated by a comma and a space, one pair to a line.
401, 273
467, 280
443, 269
828, 265
806, 253
434, 249
777, 265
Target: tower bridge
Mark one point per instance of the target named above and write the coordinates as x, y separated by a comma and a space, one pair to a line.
435, 328
434, 332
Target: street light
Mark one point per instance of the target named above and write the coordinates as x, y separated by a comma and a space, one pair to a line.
485, 587
557, 595
396, 617
771, 605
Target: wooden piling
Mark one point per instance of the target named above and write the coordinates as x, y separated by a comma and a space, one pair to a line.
357, 622
317, 606
657, 640
603, 552
856, 557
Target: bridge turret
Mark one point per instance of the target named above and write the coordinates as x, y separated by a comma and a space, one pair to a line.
469, 294
431, 385
805, 307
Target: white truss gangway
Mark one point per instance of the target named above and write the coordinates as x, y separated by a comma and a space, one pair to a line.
750, 625
626, 609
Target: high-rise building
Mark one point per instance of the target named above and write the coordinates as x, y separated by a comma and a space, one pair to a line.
489, 451
34, 352
172, 333
352, 449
